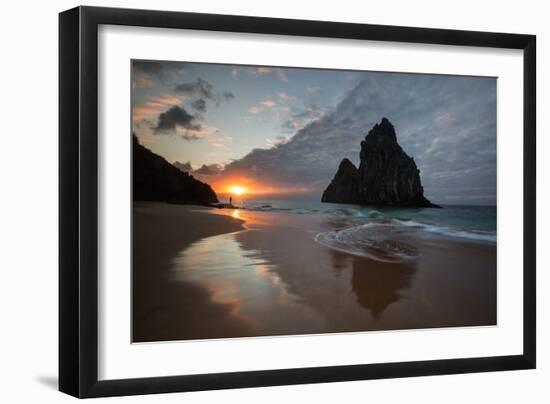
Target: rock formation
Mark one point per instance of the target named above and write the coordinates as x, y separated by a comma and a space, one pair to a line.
386, 176
344, 188
155, 179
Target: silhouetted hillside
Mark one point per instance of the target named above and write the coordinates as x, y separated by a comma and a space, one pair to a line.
155, 179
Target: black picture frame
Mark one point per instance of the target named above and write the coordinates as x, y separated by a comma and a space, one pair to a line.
78, 201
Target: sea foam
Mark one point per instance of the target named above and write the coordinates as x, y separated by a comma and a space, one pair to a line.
393, 240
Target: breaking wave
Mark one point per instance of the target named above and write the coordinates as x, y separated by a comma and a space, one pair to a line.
378, 241
475, 235
392, 240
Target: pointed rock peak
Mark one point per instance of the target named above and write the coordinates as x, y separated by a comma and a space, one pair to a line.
382, 132
343, 186
386, 175
346, 164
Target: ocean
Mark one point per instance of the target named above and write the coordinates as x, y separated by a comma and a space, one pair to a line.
359, 229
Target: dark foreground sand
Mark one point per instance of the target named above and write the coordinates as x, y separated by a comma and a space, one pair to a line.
198, 273
164, 309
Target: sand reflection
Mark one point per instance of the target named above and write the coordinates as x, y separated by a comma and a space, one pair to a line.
377, 286
244, 279
276, 276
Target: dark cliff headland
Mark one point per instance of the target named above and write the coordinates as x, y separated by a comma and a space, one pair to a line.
155, 179
386, 177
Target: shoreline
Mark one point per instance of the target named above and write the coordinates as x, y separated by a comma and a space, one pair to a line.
275, 279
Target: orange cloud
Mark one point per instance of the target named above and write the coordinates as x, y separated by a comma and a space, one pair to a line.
142, 80
254, 109
166, 100
195, 134
156, 104
284, 96
265, 104
268, 103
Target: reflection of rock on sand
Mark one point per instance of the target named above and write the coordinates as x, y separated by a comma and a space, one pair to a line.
379, 284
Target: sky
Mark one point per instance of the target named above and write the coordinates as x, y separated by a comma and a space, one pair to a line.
282, 132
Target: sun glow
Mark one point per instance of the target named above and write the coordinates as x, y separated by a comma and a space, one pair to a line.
237, 190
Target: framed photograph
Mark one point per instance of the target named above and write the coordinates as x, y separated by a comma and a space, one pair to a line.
251, 201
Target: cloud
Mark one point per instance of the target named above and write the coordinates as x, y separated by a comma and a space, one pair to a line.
284, 96
254, 109
199, 105
199, 87
280, 74
199, 132
143, 112
154, 106
172, 120
262, 106
276, 141
161, 70
447, 123
277, 72
312, 89
216, 143
180, 112
298, 119
141, 80
185, 167
268, 103
210, 169
177, 117
202, 88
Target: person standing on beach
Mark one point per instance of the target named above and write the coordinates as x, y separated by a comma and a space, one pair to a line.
231, 200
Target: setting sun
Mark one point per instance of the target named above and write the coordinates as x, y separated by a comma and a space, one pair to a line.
237, 190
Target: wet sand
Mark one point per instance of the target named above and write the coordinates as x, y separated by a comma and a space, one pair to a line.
198, 273
161, 308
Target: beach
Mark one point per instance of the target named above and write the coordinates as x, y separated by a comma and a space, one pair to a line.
201, 273
161, 308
